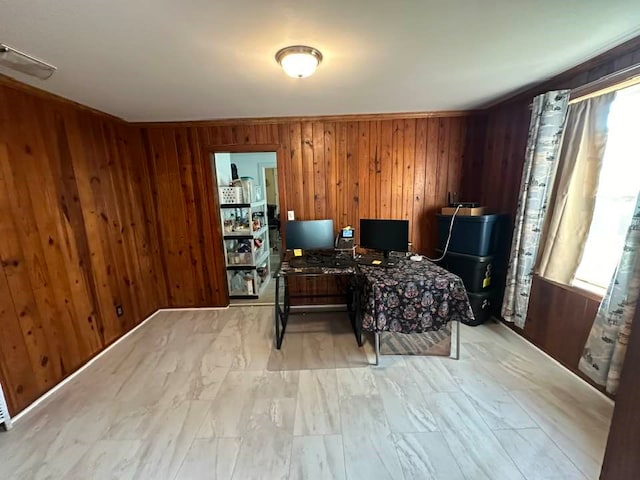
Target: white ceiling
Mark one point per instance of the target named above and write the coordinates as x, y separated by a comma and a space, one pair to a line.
154, 60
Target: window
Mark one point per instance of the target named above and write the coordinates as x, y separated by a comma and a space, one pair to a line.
617, 191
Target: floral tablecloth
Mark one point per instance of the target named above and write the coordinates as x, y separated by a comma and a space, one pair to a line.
412, 297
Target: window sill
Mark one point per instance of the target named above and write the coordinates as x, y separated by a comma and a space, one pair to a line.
578, 291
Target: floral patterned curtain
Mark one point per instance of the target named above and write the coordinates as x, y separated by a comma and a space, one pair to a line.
541, 161
604, 352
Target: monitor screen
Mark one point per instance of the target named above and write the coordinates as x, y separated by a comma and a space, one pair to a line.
309, 234
385, 235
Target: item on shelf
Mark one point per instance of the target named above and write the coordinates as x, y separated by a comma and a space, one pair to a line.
257, 193
230, 194
247, 188
256, 224
237, 282
248, 285
257, 242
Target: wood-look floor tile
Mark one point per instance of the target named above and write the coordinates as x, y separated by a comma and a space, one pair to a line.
369, 449
578, 435
163, 452
537, 457
431, 374
404, 404
426, 456
318, 409
317, 350
480, 456
203, 394
356, 381
210, 459
233, 404
320, 457
108, 460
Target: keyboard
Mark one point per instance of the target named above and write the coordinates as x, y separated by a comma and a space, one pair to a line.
376, 261
320, 260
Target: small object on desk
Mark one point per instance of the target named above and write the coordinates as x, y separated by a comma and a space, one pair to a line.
416, 258
463, 211
376, 262
297, 252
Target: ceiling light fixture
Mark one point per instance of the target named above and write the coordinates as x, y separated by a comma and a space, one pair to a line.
12, 58
299, 61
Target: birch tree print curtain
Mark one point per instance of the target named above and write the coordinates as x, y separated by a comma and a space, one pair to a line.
604, 352
541, 161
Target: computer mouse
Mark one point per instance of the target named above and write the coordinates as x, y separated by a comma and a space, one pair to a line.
416, 258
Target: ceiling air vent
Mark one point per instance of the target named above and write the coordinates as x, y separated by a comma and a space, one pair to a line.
12, 58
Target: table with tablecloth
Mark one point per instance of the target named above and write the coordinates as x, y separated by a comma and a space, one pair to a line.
411, 297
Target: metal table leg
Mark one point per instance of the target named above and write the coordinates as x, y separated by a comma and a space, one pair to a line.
457, 357
377, 346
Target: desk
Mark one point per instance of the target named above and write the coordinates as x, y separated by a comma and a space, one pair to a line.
282, 299
411, 297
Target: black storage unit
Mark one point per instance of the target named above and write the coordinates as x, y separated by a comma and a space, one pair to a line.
481, 306
471, 255
472, 235
475, 271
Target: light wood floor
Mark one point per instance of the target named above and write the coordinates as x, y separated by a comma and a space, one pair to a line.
202, 395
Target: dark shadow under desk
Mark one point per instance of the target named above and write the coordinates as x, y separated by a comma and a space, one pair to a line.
297, 267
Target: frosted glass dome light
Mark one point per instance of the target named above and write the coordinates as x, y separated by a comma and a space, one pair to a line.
299, 61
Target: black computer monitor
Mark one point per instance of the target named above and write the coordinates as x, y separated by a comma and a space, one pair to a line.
385, 235
309, 234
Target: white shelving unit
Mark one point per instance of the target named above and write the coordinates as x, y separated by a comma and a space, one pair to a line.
246, 248
4, 412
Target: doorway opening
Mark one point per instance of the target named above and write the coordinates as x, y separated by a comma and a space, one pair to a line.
250, 217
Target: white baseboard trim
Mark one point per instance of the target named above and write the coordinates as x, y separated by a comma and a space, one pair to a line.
191, 308
66, 380
535, 347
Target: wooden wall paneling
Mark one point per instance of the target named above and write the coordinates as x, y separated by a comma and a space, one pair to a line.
408, 175
167, 220
118, 223
308, 183
77, 224
25, 377
432, 171
193, 244
22, 256
96, 192
297, 173
397, 172
375, 167
69, 249
150, 276
284, 165
419, 200
73, 312
344, 170
386, 169
25, 196
352, 187
319, 171
366, 176
212, 263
